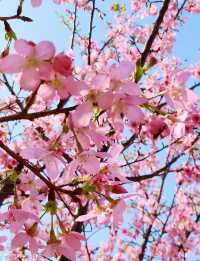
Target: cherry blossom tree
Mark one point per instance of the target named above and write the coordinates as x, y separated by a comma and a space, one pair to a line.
102, 137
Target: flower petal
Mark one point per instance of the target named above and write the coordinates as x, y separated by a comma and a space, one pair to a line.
52, 166
36, 3
12, 63
23, 47
19, 240
30, 80
45, 50
45, 70
82, 116
121, 71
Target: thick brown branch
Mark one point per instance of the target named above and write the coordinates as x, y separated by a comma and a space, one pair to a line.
90, 32
36, 115
154, 33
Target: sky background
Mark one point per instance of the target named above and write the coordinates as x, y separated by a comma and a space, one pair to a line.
47, 25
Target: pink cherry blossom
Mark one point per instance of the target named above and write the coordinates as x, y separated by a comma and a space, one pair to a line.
47, 153
30, 237
31, 61
36, 3
68, 246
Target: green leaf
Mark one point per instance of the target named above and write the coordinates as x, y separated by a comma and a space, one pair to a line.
13, 176
115, 7
153, 109
89, 187
97, 112
139, 73
51, 207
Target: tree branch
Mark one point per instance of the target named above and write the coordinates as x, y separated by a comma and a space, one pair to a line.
154, 33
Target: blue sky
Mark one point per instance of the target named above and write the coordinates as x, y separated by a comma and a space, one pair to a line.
47, 26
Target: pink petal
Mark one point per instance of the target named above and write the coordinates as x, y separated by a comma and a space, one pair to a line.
73, 240
179, 130
45, 50
12, 63
23, 47
77, 235
36, 3
86, 217
47, 93
91, 165
134, 114
118, 212
22, 215
33, 245
63, 89
45, 71
115, 152
82, 116
121, 71
33, 151
73, 87
129, 88
30, 80
135, 100
52, 166
71, 168
101, 82
83, 139
192, 97
97, 136
105, 101
67, 252
19, 240
63, 64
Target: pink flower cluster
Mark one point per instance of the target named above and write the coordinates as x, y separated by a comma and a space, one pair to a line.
37, 64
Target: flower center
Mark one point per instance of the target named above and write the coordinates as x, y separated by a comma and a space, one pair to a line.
57, 84
32, 62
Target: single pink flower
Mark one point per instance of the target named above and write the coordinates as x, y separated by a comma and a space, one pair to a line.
117, 214
86, 162
16, 218
178, 96
32, 61
59, 86
28, 237
67, 246
181, 98
127, 105
47, 152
